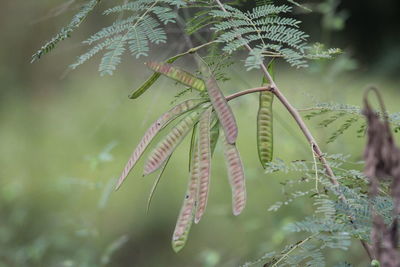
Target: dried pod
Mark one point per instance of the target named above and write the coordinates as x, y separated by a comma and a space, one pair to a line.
152, 131
178, 75
236, 177
265, 128
186, 214
205, 163
166, 146
223, 110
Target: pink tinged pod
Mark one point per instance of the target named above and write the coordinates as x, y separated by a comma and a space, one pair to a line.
177, 74
152, 131
236, 177
186, 214
223, 111
205, 163
166, 146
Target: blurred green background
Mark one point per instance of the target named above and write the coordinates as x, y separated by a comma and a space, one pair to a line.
66, 135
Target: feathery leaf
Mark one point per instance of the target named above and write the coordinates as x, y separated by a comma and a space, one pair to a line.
66, 31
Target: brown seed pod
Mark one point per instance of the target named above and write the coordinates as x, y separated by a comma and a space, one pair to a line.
152, 131
205, 163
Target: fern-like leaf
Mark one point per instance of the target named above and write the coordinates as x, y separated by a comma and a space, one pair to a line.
66, 31
277, 36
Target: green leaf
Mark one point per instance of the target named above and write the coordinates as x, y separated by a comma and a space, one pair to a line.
177, 75
67, 30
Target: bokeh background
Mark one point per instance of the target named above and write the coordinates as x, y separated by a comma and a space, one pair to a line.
66, 135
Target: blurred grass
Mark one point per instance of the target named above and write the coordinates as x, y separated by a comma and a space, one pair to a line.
64, 141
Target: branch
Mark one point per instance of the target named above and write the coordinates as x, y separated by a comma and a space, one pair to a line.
247, 91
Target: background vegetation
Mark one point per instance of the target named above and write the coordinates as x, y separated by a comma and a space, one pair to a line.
65, 137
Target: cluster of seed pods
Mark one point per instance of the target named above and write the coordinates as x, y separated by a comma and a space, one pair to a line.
205, 117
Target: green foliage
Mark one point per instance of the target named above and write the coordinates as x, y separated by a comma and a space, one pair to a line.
329, 227
345, 116
67, 31
279, 36
142, 27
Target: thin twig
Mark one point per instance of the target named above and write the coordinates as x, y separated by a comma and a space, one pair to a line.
247, 91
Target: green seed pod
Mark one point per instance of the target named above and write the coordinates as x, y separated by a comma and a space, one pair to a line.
265, 128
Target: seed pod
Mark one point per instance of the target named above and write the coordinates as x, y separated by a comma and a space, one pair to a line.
192, 144
265, 128
178, 75
152, 131
166, 146
151, 80
186, 214
205, 163
223, 110
236, 177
